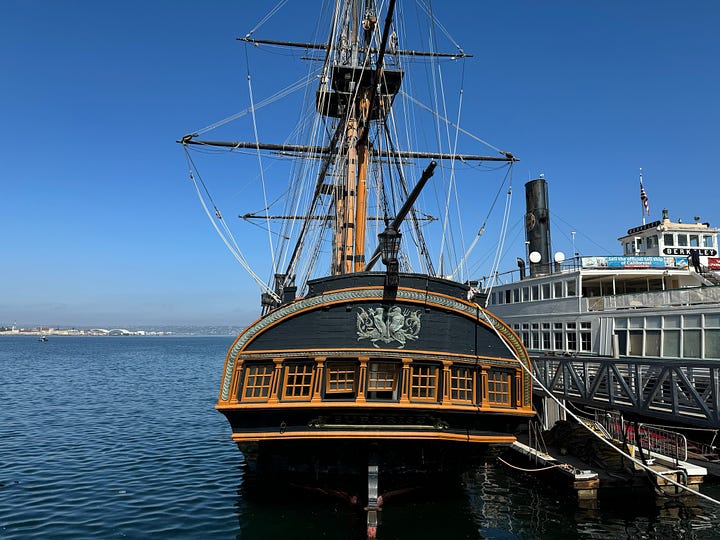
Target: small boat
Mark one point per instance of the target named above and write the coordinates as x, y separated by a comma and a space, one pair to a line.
43, 338
352, 369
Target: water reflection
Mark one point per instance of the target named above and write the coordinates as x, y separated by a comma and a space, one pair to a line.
489, 502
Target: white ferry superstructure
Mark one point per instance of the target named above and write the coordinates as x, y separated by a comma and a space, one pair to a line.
649, 302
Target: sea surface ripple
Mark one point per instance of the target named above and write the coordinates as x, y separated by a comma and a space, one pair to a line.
116, 437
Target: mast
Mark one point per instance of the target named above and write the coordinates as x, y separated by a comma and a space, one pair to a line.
354, 92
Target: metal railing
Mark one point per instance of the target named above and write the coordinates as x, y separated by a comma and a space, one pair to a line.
648, 438
675, 297
687, 392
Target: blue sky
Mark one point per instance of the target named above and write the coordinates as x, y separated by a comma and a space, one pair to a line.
100, 225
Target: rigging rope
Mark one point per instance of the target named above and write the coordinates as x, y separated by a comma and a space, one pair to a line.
260, 164
227, 236
481, 231
294, 87
444, 119
501, 243
267, 17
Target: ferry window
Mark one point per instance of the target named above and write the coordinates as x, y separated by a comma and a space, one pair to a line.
461, 384
636, 322
572, 341
682, 240
546, 326
712, 343
424, 383
498, 388
621, 322
492, 299
257, 382
671, 321
691, 344
546, 341
668, 239
622, 342
636, 343
546, 291
298, 381
340, 378
558, 289
652, 343
712, 320
691, 321
707, 241
586, 325
694, 240
526, 294
508, 297
652, 241
516, 295
558, 338
534, 291
571, 287
671, 344
382, 380
585, 341
558, 325
629, 249
652, 322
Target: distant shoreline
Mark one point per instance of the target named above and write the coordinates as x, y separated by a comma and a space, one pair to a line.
110, 333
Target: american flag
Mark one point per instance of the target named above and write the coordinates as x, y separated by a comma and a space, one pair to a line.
644, 198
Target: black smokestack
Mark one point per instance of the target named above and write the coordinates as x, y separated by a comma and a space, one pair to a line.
537, 226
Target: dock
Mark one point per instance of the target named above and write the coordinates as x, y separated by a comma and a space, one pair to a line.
579, 462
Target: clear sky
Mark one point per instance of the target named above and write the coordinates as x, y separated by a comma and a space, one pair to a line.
99, 222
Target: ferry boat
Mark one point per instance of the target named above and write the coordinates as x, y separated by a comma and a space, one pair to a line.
351, 367
650, 301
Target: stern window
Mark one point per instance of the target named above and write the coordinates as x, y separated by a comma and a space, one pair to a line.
382, 380
461, 384
424, 383
340, 378
257, 382
498, 388
298, 381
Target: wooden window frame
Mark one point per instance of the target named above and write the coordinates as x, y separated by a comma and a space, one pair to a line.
499, 383
290, 371
250, 381
341, 367
470, 380
430, 380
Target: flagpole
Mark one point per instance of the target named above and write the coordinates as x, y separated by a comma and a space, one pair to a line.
642, 203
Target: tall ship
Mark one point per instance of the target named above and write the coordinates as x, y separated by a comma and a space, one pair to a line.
657, 298
373, 353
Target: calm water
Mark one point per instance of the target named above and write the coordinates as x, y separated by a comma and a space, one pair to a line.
117, 438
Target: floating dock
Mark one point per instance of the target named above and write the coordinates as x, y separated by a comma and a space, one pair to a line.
607, 469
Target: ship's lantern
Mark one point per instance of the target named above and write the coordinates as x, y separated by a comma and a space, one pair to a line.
390, 247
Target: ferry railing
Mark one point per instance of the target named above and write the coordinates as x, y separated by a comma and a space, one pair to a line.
674, 297
687, 392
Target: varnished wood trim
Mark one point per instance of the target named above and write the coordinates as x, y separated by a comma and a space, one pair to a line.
396, 435
390, 405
